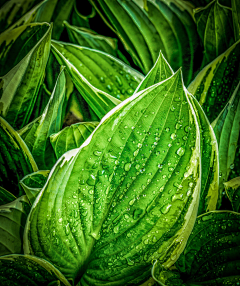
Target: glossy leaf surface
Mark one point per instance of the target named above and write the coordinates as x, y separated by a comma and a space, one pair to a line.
232, 188
6, 197
128, 195
16, 161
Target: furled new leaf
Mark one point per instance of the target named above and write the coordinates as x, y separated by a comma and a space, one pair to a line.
211, 256
227, 129
215, 28
232, 188
213, 86
236, 18
71, 137
6, 197
12, 220
80, 20
16, 161
19, 87
127, 196
36, 134
33, 183
165, 25
29, 270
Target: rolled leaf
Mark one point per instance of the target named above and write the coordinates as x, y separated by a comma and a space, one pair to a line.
232, 188
33, 183
227, 129
36, 134
6, 197
214, 85
16, 161
29, 270
236, 18
165, 25
215, 28
12, 222
71, 137
127, 196
80, 20
211, 256
19, 87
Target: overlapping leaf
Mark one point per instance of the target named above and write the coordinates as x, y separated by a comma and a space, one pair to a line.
80, 20
71, 137
236, 18
19, 87
227, 129
33, 183
127, 196
162, 25
29, 270
36, 134
15, 159
12, 219
213, 86
232, 188
215, 28
6, 197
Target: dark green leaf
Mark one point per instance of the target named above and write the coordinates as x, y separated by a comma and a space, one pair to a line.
29, 270
6, 197
36, 134
19, 87
12, 220
71, 137
16, 161
232, 188
127, 196
214, 84
227, 129
211, 256
33, 183
236, 18
77, 19
215, 28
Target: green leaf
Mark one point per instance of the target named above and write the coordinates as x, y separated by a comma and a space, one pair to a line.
36, 134
16, 161
227, 129
12, 220
211, 256
127, 196
33, 183
232, 188
15, 10
166, 25
80, 20
71, 137
214, 84
29, 270
215, 28
6, 197
19, 87
236, 18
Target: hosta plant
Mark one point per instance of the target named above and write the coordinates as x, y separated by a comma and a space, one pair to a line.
119, 159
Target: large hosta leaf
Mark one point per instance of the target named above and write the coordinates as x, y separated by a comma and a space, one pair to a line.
16, 161
214, 84
12, 222
162, 25
232, 188
71, 137
127, 196
227, 129
29, 270
215, 28
36, 134
6, 197
19, 87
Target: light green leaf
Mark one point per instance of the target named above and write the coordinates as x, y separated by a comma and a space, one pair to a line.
6, 197
33, 183
71, 137
12, 221
16, 11
236, 18
127, 196
166, 25
214, 84
19, 87
215, 28
211, 256
36, 134
227, 129
29, 270
16, 161
232, 188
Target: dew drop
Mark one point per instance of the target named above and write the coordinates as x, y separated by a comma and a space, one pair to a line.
91, 192
165, 209
172, 108
131, 202
109, 87
97, 153
180, 151
116, 229
67, 229
173, 136
178, 125
130, 91
102, 79
167, 129
127, 167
